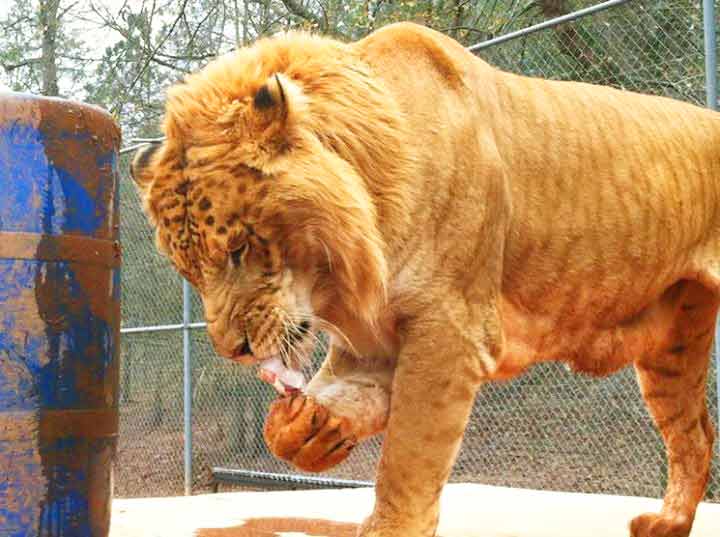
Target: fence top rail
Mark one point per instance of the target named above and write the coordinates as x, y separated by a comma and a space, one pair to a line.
161, 327
575, 15
137, 143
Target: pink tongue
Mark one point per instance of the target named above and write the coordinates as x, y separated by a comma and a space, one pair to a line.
284, 380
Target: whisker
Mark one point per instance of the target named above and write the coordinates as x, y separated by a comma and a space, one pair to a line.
288, 323
331, 328
283, 350
287, 340
314, 340
308, 333
304, 354
284, 344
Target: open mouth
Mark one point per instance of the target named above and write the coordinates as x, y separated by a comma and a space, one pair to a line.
286, 381
283, 375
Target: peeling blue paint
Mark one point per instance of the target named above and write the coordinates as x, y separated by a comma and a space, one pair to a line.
50, 200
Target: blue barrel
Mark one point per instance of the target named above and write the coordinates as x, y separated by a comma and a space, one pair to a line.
59, 316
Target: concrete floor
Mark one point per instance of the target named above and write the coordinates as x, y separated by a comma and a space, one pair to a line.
467, 511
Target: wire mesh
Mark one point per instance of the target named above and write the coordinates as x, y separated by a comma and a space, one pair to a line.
150, 447
150, 287
552, 429
650, 47
549, 429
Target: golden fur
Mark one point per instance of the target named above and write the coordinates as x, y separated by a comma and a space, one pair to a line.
449, 225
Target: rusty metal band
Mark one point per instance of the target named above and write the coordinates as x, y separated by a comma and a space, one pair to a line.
91, 423
71, 248
48, 425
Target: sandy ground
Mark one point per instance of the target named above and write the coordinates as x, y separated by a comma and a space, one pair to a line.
468, 510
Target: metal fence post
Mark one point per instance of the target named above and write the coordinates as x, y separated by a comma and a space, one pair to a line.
187, 389
711, 96
710, 53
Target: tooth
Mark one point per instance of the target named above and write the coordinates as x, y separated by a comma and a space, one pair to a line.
279, 373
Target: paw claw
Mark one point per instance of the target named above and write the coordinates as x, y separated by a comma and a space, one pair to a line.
295, 405
303, 432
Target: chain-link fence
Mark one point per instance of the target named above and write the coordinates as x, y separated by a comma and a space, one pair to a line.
549, 429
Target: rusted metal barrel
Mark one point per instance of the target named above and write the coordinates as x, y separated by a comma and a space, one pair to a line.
59, 317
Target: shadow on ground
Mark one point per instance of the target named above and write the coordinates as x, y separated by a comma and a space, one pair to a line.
273, 527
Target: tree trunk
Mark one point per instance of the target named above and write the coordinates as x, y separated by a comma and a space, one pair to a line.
571, 43
48, 21
458, 19
554, 8
246, 17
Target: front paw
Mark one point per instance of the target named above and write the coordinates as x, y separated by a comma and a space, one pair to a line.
301, 431
660, 525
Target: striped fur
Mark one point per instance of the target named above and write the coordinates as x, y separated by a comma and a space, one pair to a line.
450, 225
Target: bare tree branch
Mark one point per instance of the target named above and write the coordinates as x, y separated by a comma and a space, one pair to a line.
465, 28
189, 57
7, 26
157, 60
296, 8
11, 67
197, 28
66, 10
152, 53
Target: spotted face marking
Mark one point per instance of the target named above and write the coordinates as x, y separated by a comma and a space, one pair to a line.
211, 227
250, 206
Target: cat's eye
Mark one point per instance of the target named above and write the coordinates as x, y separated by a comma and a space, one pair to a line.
236, 256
